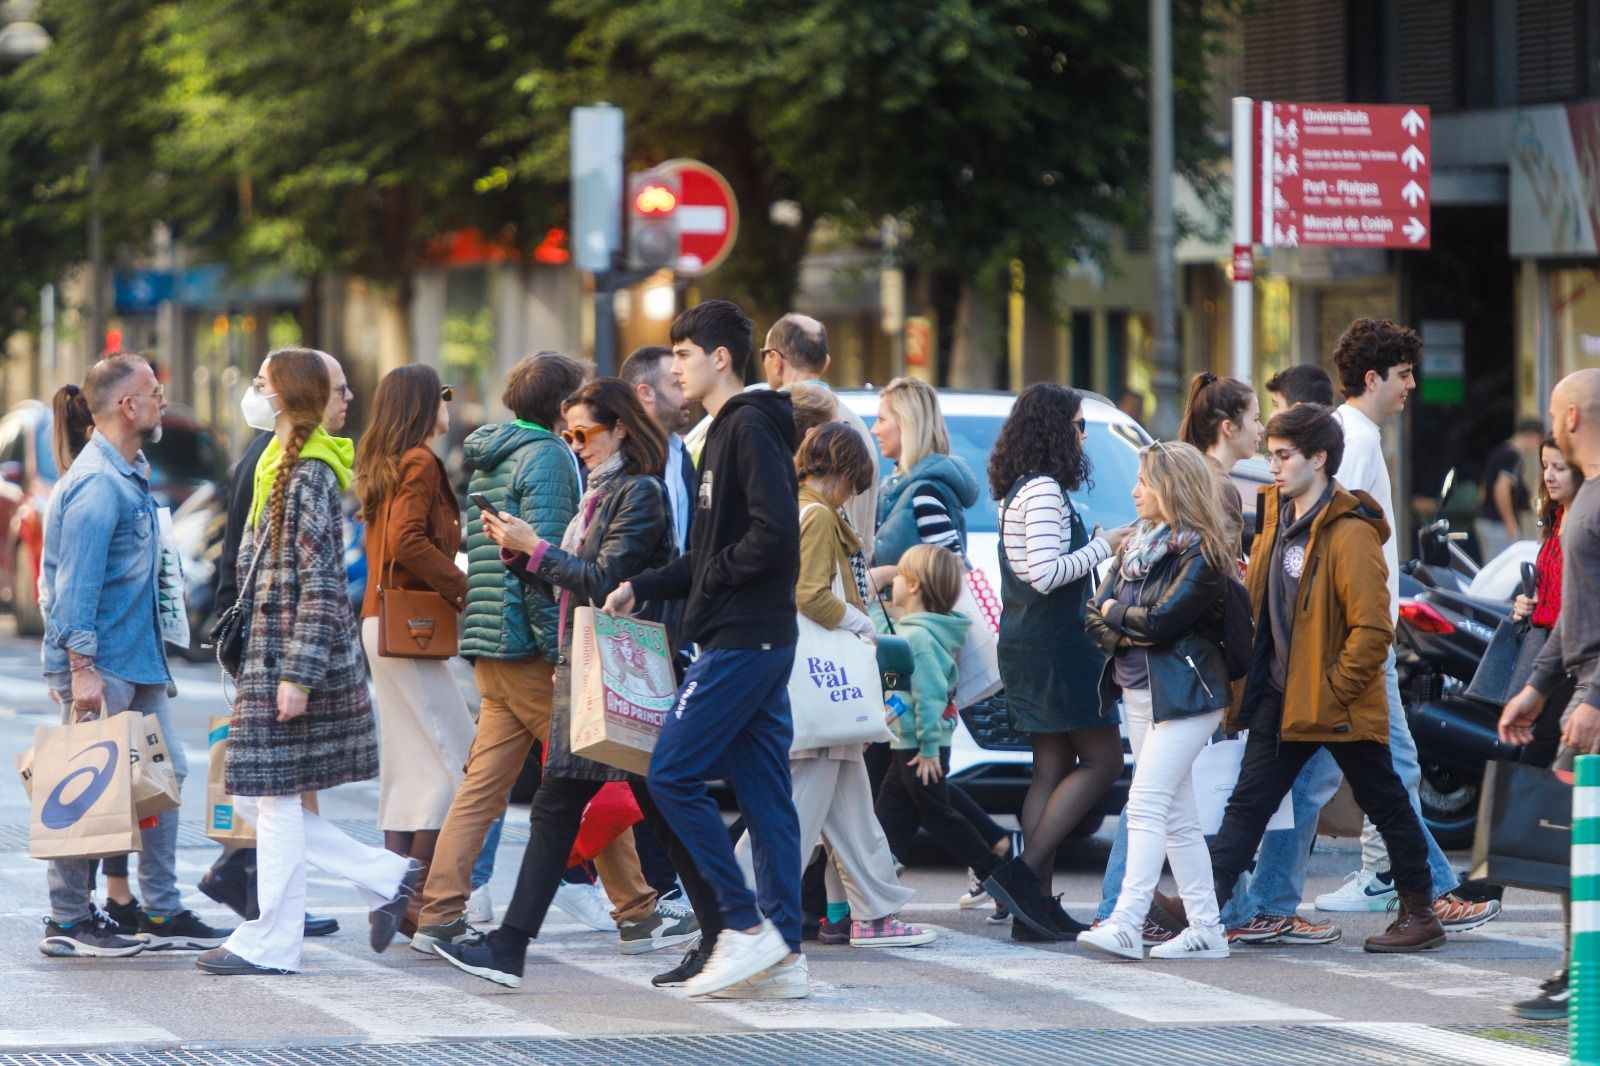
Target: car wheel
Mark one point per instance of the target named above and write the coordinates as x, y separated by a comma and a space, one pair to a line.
1450, 804
25, 593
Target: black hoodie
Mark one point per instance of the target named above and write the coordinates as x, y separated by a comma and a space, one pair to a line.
743, 560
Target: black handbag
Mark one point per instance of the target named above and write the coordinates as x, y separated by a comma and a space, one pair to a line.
228, 635
1524, 833
1508, 662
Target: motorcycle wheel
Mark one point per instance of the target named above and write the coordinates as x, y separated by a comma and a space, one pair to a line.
1450, 804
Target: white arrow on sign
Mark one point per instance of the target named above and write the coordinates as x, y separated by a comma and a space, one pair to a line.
1412, 122
1413, 194
1413, 158
1415, 230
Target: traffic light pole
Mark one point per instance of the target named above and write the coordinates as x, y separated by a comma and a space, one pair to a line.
606, 285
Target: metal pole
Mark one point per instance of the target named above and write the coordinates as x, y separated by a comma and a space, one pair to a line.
97, 264
1243, 257
605, 324
1168, 358
47, 338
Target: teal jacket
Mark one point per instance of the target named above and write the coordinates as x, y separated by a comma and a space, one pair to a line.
935, 640
947, 477
533, 475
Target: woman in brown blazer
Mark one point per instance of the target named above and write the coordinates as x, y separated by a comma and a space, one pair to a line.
413, 533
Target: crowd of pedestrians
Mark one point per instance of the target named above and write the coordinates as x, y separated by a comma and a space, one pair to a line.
1182, 628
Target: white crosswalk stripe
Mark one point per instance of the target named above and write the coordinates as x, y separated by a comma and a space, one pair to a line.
53, 1009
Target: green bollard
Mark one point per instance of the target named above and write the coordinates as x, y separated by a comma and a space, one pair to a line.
1583, 1008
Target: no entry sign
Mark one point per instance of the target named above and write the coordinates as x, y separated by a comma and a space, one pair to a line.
1345, 175
707, 214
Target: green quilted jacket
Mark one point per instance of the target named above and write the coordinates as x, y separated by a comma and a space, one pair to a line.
532, 474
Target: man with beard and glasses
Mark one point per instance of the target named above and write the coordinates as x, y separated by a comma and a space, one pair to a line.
103, 648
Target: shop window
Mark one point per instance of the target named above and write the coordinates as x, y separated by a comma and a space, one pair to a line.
1573, 305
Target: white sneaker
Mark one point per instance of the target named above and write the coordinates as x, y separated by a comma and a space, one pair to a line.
975, 896
791, 980
587, 905
1192, 943
1362, 891
480, 908
1111, 939
738, 957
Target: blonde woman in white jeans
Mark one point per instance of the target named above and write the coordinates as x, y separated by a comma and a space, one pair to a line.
1158, 615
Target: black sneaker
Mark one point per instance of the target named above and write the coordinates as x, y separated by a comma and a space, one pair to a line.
125, 916
485, 956
694, 960
95, 937
1550, 1005
456, 932
228, 881
183, 931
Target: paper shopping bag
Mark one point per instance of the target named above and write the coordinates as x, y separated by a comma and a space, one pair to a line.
622, 688
1215, 773
1524, 830
1341, 816
155, 781
978, 663
223, 823
82, 806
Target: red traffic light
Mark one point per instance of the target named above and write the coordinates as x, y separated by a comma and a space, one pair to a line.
655, 200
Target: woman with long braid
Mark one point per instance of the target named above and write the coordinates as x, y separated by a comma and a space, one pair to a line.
302, 721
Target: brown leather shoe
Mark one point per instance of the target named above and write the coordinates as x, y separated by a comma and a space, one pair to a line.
1415, 928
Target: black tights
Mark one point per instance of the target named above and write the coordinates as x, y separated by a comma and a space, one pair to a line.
1071, 771
418, 845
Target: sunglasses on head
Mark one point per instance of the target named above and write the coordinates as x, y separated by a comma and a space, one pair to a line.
579, 435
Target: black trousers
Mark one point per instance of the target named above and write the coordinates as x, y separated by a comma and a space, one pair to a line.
905, 803
1267, 774
557, 811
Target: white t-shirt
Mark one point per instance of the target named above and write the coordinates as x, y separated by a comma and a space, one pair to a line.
1363, 469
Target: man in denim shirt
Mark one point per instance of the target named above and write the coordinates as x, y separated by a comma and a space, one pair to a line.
103, 645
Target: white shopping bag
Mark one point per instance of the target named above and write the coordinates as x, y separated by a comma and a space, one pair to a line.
1216, 771
170, 590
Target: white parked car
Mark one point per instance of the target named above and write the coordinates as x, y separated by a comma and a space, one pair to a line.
991, 763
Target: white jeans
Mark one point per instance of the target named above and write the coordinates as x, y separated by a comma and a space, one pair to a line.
288, 837
1163, 820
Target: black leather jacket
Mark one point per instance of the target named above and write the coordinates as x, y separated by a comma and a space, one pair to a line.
1179, 620
631, 532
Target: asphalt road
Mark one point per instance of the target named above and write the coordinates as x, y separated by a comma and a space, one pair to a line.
578, 985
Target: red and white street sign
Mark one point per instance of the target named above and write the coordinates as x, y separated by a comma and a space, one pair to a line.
707, 214
1345, 175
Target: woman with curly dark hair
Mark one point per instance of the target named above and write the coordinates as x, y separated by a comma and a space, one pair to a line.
1050, 669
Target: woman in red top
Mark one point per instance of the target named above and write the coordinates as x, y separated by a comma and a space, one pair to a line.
1558, 484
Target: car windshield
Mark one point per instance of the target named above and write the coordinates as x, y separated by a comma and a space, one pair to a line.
1113, 453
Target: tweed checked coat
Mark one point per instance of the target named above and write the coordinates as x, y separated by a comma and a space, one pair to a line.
302, 630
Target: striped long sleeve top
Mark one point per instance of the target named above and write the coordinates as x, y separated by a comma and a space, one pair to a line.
1036, 531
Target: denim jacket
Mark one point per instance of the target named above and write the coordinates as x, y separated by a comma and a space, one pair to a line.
102, 552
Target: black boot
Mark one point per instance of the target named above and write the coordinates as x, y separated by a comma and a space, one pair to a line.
1014, 885
231, 881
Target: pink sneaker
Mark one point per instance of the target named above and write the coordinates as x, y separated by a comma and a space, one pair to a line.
888, 932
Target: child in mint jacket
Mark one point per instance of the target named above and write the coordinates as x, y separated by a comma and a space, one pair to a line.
915, 793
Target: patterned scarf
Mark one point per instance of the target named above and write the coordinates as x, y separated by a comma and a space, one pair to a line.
1151, 542
602, 480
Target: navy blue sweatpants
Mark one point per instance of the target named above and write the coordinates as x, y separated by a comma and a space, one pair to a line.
732, 721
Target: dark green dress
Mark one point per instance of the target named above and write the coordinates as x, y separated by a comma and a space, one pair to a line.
1050, 669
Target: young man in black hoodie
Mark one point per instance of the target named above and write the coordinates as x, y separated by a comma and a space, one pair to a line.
732, 718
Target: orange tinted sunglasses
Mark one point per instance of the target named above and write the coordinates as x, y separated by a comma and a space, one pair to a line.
579, 435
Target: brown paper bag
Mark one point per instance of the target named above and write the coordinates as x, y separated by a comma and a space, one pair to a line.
82, 804
223, 823
155, 782
1341, 817
622, 688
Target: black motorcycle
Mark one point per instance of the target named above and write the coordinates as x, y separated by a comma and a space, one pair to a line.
1440, 638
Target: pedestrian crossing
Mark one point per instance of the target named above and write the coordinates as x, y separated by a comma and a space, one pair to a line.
578, 984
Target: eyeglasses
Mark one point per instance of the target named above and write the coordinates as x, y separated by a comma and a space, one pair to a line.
579, 435
774, 351
448, 394
159, 393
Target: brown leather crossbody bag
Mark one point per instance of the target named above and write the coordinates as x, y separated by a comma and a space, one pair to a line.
414, 623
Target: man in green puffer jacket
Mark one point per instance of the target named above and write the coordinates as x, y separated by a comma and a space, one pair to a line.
508, 630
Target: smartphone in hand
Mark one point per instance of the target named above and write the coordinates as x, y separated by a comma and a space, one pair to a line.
482, 503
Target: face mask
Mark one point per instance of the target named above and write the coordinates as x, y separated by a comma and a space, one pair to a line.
257, 408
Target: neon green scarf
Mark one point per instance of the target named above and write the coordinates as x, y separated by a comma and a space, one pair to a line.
338, 452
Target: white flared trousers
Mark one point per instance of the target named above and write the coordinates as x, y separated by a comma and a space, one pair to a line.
1163, 818
288, 839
